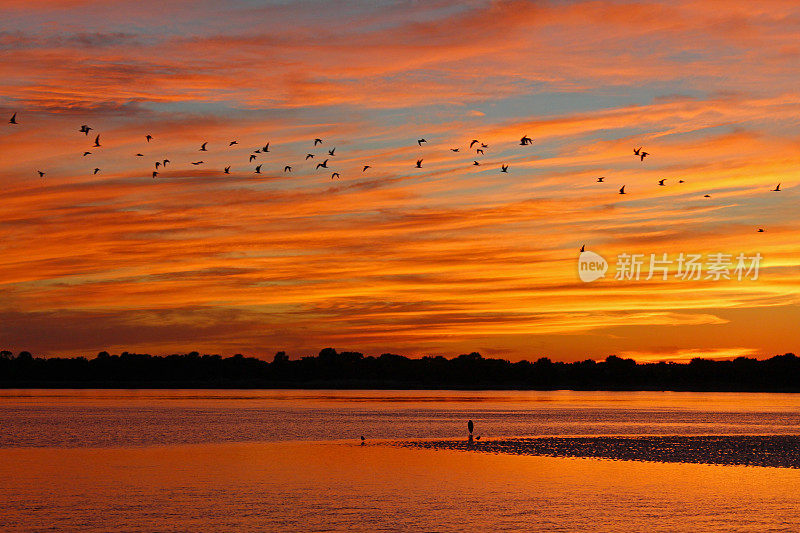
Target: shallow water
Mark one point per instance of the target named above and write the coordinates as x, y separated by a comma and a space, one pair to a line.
139, 461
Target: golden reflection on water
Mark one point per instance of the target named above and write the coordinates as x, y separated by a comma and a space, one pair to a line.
341, 486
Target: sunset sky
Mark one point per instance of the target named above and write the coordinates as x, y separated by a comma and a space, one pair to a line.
442, 260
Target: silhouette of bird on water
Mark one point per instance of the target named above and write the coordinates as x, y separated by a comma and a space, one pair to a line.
203, 147
258, 169
419, 163
335, 175
420, 141
155, 174
317, 141
479, 151
309, 156
760, 230
324, 164
85, 130
661, 182
330, 152
41, 174
266, 148
148, 137
252, 157
600, 179
454, 149
475, 164
583, 247
97, 141
232, 143
365, 168
86, 153
473, 142
13, 119
287, 168
198, 163
622, 190
525, 141
504, 168
96, 171
777, 189
227, 170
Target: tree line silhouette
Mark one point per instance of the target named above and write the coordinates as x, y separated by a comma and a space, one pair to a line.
332, 369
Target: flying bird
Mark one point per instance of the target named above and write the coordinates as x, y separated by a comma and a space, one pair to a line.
324, 164
258, 169
287, 168
155, 174
777, 189
148, 137
583, 247
504, 168
85, 129
96, 171
97, 141
266, 148
257, 151
232, 143
365, 168
473, 142
203, 147
643, 155
525, 140
661, 182
680, 181
760, 230
317, 141
158, 164
164, 163
336, 175
600, 179
636, 151
475, 164
622, 190
41, 174
13, 119
484, 145
479, 151
227, 170
139, 155
419, 163
251, 158
330, 152
198, 163
86, 153
309, 156
454, 149
420, 141
706, 196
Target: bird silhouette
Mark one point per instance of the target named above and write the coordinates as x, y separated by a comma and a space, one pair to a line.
600, 179
86, 153
324, 164
363, 440
473, 142
258, 169
13, 119
158, 164
583, 247
139, 155
232, 143
525, 140
257, 151
41, 174
148, 137
622, 190
85, 130
420, 141
330, 152
335, 175
227, 170
419, 163
706, 196
251, 158
203, 147
777, 189
266, 148
454, 149
643, 155
503, 168
484, 145
198, 163
661, 182
97, 141
317, 141
287, 168
680, 181
309, 156
760, 230
155, 174
636, 151
165, 162
96, 171
479, 151
365, 168
475, 164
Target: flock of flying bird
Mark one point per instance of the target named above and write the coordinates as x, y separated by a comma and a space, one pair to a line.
524, 141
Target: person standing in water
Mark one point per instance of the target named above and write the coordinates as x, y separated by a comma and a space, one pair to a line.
470, 427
